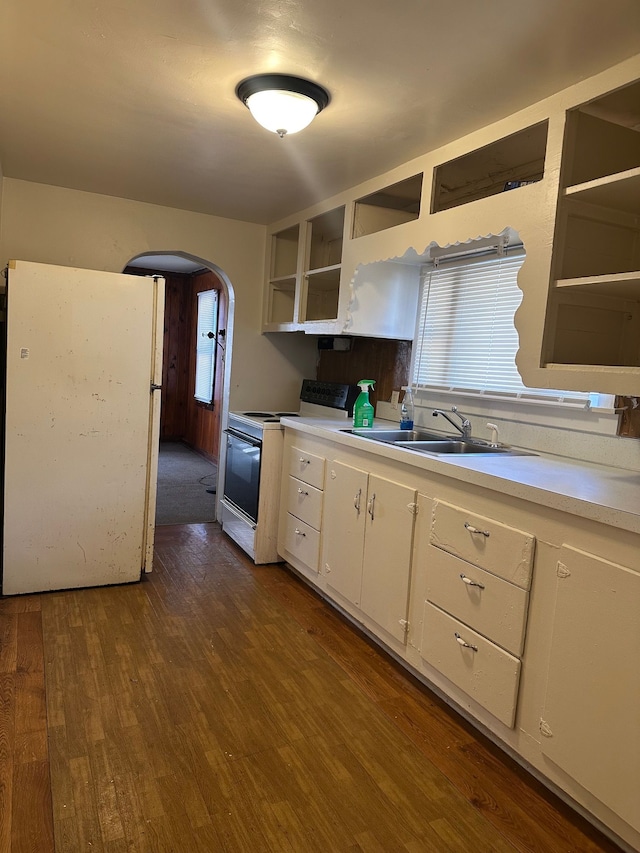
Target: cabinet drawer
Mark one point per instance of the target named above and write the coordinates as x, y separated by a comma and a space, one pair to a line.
302, 541
486, 672
305, 502
489, 544
307, 467
492, 606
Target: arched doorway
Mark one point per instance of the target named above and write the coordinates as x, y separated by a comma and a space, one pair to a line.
184, 418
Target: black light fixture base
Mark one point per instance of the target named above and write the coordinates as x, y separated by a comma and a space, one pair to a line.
285, 82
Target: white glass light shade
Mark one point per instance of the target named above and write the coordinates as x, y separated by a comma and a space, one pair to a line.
281, 111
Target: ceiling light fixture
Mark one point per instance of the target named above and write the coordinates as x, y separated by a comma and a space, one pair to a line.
282, 103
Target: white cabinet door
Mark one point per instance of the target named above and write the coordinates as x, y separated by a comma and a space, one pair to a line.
591, 720
387, 554
345, 506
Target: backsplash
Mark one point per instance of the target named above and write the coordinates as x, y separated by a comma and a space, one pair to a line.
385, 361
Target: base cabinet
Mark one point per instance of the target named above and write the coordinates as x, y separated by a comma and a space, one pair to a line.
474, 576
367, 540
595, 655
301, 515
482, 597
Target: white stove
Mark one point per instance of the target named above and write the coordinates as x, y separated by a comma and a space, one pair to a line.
251, 494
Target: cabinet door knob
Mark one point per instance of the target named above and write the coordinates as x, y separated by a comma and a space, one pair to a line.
302, 492
356, 500
299, 532
464, 643
469, 582
304, 461
473, 529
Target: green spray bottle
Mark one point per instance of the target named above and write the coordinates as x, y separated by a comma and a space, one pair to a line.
362, 409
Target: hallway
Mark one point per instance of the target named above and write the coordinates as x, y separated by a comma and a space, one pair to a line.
220, 706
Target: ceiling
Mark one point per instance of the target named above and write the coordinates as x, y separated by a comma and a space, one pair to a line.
136, 98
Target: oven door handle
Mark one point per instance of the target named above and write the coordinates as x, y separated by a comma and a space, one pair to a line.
254, 442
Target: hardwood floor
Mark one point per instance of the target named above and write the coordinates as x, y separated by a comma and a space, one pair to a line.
220, 706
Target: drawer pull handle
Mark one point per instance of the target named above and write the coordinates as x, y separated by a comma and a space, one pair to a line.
304, 461
469, 582
370, 505
302, 492
464, 643
299, 532
473, 529
356, 500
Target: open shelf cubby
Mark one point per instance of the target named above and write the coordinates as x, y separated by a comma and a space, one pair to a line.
390, 206
593, 311
510, 162
324, 239
323, 291
284, 252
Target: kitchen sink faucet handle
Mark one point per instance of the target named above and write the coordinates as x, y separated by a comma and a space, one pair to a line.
464, 427
494, 434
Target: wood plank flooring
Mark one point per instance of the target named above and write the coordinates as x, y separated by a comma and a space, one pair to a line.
220, 706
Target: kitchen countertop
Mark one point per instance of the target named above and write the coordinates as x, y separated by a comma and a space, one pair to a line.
597, 492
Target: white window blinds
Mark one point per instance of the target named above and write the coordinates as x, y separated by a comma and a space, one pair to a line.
207, 329
465, 339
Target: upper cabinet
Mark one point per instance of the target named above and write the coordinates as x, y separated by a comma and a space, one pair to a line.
323, 256
387, 207
564, 174
508, 163
282, 283
303, 282
593, 311
307, 289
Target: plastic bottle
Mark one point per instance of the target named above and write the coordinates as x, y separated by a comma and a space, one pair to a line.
362, 409
406, 410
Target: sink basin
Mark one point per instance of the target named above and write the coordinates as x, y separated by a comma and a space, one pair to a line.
423, 441
452, 446
394, 436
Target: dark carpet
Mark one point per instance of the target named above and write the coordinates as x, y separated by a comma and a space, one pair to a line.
183, 479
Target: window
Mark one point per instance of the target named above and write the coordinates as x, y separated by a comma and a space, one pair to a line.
466, 340
206, 342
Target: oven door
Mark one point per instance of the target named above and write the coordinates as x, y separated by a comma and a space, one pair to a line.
242, 472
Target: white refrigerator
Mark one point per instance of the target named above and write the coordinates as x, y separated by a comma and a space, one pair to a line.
81, 429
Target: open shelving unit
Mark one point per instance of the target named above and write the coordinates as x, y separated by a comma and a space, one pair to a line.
593, 312
323, 258
282, 285
303, 284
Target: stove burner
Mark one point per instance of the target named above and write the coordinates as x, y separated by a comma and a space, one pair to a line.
257, 414
286, 414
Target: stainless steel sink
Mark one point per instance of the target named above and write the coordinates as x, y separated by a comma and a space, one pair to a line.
393, 436
453, 446
423, 441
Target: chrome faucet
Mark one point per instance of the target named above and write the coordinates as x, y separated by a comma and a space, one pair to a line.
464, 428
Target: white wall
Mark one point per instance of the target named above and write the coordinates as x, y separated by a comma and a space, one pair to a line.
70, 228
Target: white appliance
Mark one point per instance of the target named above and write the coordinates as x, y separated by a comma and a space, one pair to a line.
83, 360
253, 466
